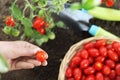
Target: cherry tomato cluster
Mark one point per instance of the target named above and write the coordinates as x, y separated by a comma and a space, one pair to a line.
9, 21
108, 3
41, 56
40, 25
97, 60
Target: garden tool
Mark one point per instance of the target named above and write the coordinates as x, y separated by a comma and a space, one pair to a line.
78, 20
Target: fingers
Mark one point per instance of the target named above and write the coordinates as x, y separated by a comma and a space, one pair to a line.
26, 49
28, 64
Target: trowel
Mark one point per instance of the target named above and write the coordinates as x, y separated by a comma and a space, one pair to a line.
78, 20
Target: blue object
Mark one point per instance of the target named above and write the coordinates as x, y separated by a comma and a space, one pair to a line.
93, 30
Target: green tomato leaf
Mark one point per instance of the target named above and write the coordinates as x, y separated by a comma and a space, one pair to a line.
75, 6
7, 30
16, 12
89, 4
28, 31
42, 3
26, 22
15, 32
35, 0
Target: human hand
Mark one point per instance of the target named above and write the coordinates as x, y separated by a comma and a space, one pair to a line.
20, 54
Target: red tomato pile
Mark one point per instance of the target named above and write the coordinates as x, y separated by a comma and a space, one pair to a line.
108, 3
40, 25
97, 60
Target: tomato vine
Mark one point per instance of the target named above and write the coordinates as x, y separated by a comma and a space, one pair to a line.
38, 24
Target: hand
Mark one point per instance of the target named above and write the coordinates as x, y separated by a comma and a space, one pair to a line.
20, 54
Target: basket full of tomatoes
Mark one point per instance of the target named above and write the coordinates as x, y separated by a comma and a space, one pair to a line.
95, 58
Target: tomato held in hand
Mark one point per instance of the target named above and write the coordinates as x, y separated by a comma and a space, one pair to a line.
9, 21
41, 56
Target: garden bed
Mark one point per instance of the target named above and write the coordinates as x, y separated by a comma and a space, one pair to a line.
56, 48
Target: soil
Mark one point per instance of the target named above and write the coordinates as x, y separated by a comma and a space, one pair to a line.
56, 48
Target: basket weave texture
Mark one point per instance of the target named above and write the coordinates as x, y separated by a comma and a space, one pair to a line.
71, 52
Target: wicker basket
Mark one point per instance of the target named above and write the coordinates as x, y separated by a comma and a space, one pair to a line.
71, 52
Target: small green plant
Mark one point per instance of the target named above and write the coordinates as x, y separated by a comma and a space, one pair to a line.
34, 21
94, 8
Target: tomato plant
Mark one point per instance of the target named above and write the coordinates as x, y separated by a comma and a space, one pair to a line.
37, 26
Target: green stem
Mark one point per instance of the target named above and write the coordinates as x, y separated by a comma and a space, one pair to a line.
26, 6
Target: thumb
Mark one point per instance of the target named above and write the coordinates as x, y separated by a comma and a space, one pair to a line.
26, 49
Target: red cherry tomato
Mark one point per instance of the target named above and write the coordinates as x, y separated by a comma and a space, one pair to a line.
41, 31
41, 56
112, 74
98, 65
76, 60
100, 59
106, 78
115, 45
110, 3
9, 21
100, 42
110, 63
117, 69
89, 70
89, 45
84, 54
84, 63
103, 51
68, 72
106, 70
77, 73
38, 23
90, 77
99, 76
117, 77
93, 52
91, 60
112, 55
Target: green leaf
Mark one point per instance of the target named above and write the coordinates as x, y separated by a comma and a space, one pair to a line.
15, 32
89, 4
60, 24
3, 65
75, 6
42, 40
16, 12
7, 30
42, 3
26, 22
28, 31
35, 0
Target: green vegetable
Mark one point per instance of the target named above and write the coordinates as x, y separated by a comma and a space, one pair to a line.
89, 4
105, 13
3, 65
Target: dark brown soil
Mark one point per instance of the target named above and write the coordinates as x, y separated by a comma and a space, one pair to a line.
56, 50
